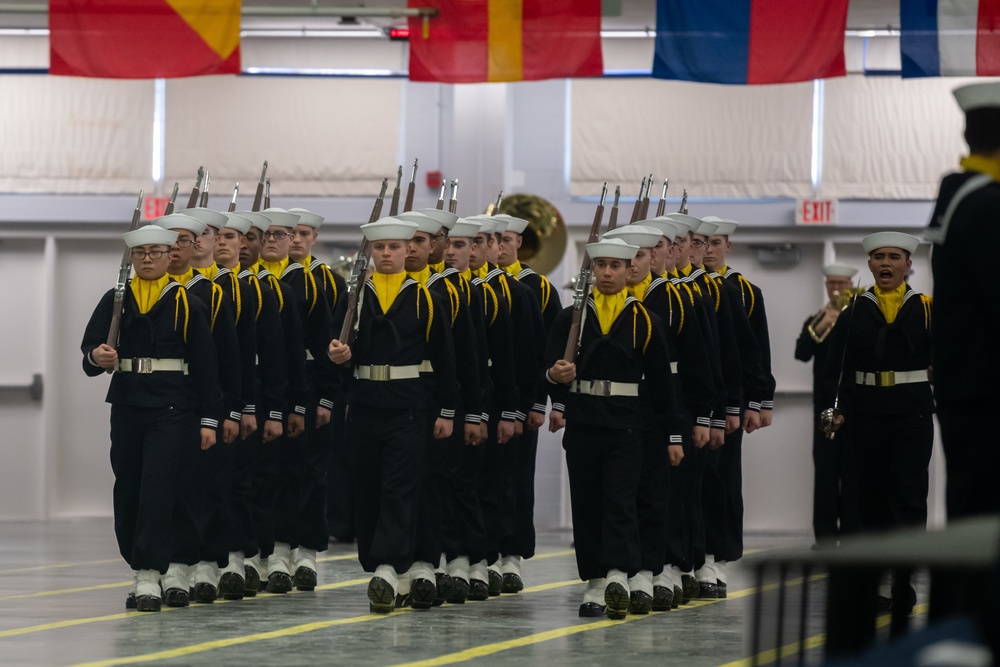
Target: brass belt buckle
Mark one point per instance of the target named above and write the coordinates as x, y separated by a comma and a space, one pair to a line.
143, 365
885, 379
600, 388
380, 373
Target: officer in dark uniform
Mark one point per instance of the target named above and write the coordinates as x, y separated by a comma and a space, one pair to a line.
966, 358
835, 489
620, 372
390, 410
165, 402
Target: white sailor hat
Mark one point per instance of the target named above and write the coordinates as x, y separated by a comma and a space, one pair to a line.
838, 269
149, 235
280, 217
238, 221
685, 223
465, 228
208, 216
612, 248
487, 225
181, 221
723, 226
706, 228
424, 222
446, 218
666, 227
510, 223
637, 235
873, 242
978, 95
314, 220
391, 228
258, 220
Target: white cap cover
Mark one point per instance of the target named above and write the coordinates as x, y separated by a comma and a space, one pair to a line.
723, 226
611, 248
386, 229
181, 221
637, 235
258, 220
878, 240
706, 228
838, 269
149, 235
465, 228
424, 222
238, 221
685, 223
208, 216
666, 227
978, 95
314, 220
446, 218
280, 217
487, 225
512, 224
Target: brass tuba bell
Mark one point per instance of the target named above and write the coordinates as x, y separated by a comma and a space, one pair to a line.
841, 299
543, 243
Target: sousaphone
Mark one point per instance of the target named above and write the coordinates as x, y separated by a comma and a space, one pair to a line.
543, 243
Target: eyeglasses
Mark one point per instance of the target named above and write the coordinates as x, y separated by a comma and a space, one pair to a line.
184, 243
277, 236
697, 243
139, 255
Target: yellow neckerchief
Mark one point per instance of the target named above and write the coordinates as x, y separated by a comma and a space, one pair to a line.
672, 274
438, 267
983, 165
275, 268
467, 274
722, 270
147, 292
514, 268
387, 287
482, 271
608, 307
686, 270
253, 268
420, 276
639, 289
208, 271
889, 302
185, 277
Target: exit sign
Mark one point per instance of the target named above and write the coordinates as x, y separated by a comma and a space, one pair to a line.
154, 207
816, 212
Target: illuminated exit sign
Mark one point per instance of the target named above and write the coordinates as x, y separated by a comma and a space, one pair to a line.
816, 212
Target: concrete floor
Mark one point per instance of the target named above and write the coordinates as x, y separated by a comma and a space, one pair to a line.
63, 585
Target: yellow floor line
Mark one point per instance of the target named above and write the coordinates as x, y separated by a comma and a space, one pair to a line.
120, 584
57, 566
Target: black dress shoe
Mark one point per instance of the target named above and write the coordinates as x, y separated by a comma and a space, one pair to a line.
616, 597
422, 593
663, 598
232, 586
147, 603
459, 591
511, 583
707, 590
640, 603
478, 590
130, 602
305, 578
689, 587
381, 598
205, 593
251, 581
591, 610
722, 588
175, 597
444, 586
678, 595
402, 601
495, 583
883, 605
279, 582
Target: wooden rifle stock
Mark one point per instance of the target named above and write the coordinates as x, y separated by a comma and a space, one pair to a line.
638, 202
193, 199
394, 204
355, 280
613, 217
258, 197
204, 193
582, 289
173, 197
232, 202
124, 271
410, 189
661, 207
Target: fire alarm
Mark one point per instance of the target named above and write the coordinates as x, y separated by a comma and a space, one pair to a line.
433, 179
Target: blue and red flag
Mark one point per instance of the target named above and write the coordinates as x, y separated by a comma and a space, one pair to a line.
950, 37
749, 41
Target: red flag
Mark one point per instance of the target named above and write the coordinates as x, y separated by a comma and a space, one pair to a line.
144, 39
506, 40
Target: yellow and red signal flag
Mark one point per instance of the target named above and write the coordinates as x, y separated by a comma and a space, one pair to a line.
506, 40
144, 39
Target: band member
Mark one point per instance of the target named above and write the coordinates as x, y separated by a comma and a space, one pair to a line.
835, 490
165, 404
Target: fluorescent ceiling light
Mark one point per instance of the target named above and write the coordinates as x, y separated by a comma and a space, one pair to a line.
371, 33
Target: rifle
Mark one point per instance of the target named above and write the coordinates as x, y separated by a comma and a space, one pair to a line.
259, 195
496, 206
663, 199
440, 202
173, 197
204, 193
453, 204
193, 199
684, 203
582, 289
645, 200
637, 207
124, 271
613, 218
354, 281
267, 193
408, 202
232, 202
394, 205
